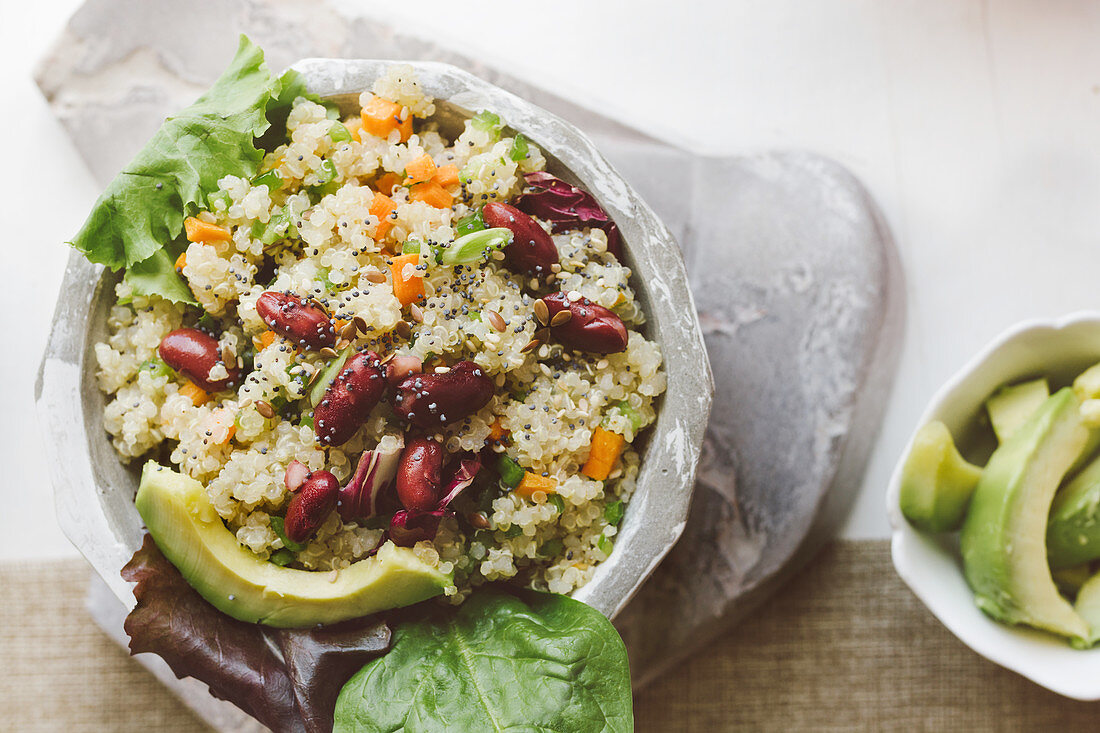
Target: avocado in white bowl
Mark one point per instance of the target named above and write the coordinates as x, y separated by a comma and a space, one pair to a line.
1006, 549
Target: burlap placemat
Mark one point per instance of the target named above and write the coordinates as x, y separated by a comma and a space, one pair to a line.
845, 646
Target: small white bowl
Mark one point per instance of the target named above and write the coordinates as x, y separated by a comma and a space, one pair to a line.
932, 567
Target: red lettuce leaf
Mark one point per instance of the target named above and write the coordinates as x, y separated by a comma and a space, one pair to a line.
320, 661
567, 207
409, 527
290, 691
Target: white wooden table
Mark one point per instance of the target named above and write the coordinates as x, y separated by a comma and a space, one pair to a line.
975, 124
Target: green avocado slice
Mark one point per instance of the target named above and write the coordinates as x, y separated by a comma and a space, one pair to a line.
1011, 406
1003, 539
936, 482
187, 529
1088, 608
1073, 530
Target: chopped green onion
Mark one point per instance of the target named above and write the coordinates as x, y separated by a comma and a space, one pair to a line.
613, 512
476, 315
327, 171
631, 414
511, 473
486, 121
605, 544
277, 524
324, 379
338, 133
282, 557
558, 502
279, 226
519, 149
326, 181
307, 420
551, 548
414, 247
513, 531
469, 224
213, 199
271, 179
322, 274
473, 247
156, 367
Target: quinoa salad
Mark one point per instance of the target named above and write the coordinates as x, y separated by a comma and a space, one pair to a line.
400, 338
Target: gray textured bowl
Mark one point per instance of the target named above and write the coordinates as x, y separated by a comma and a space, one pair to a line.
94, 491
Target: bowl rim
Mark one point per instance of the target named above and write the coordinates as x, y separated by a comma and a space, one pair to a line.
911, 550
659, 275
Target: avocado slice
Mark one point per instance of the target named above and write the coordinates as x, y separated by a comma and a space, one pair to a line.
189, 532
1073, 529
1087, 384
1088, 608
1003, 539
1011, 406
936, 481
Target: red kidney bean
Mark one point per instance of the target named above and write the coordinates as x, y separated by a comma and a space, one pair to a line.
532, 251
349, 399
194, 353
400, 367
590, 327
433, 400
302, 323
310, 507
419, 474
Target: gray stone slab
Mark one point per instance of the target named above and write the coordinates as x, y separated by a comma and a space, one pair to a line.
794, 272
801, 299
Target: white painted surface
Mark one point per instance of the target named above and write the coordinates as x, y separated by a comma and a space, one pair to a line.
975, 124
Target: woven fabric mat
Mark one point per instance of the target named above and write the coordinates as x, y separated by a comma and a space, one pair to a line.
844, 646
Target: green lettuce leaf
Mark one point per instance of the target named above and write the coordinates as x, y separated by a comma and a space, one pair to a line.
142, 211
499, 662
156, 275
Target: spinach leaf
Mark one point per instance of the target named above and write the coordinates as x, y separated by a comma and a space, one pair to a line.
142, 211
502, 661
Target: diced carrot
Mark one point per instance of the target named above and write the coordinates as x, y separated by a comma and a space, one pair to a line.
432, 194
381, 207
181, 262
381, 116
606, 447
420, 170
265, 339
201, 231
195, 393
533, 482
338, 324
447, 175
407, 289
386, 182
497, 431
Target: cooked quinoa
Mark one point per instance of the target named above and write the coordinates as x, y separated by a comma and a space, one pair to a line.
310, 231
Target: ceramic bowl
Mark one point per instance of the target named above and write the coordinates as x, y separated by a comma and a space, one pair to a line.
932, 566
94, 491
